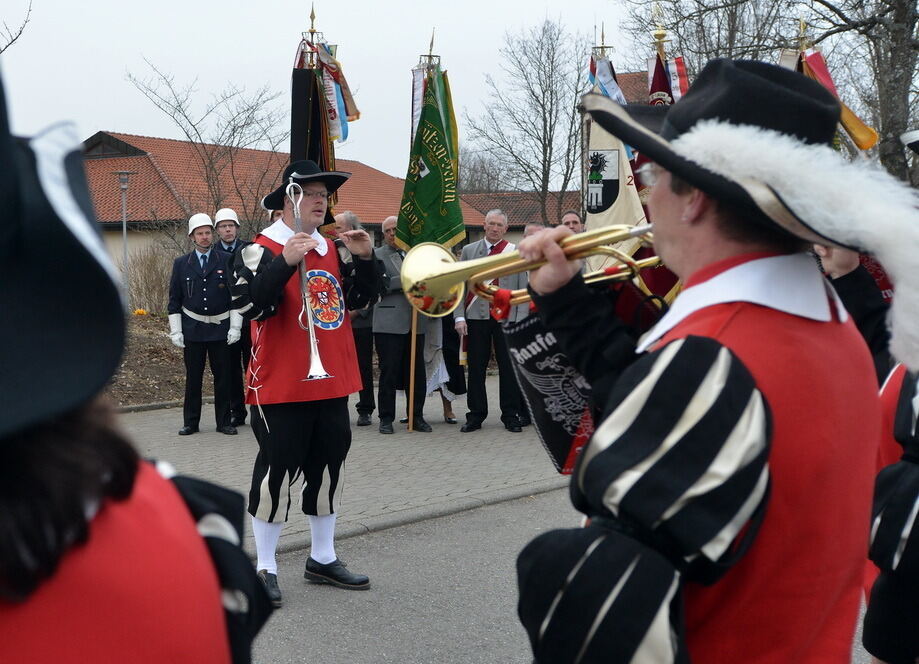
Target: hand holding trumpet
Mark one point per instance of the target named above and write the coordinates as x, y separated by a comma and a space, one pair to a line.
558, 269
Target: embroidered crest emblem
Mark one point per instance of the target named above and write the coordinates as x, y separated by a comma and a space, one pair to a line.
602, 180
326, 299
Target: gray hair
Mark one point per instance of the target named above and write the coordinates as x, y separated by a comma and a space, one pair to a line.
497, 212
351, 219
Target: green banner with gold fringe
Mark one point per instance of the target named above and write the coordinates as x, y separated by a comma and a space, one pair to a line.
430, 210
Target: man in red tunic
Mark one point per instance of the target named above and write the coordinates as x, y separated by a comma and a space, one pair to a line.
734, 460
302, 425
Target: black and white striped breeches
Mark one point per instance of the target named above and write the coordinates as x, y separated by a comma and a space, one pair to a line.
307, 439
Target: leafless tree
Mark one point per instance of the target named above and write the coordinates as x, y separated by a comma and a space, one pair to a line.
530, 124
479, 173
230, 122
874, 42
8, 35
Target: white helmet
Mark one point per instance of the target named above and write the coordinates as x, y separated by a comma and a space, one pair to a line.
226, 214
198, 220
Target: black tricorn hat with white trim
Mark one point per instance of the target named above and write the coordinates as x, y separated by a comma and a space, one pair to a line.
758, 136
63, 318
303, 171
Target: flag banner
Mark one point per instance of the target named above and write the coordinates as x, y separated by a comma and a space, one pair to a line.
603, 76
679, 79
659, 90
331, 107
418, 78
611, 196
332, 66
814, 66
556, 395
430, 209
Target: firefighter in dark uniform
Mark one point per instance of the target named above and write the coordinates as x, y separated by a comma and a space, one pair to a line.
201, 323
226, 223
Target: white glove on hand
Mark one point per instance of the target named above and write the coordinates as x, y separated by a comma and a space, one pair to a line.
236, 324
175, 330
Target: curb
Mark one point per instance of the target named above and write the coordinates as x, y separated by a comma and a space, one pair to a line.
139, 408
418, 514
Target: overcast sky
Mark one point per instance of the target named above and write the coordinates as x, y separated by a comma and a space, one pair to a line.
72, 60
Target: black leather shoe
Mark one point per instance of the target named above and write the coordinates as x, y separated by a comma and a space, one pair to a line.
386, 427
229, 430
187, 430
449, 420
238, 420
513, 427
525, 421
421, 426
334, 574
363, 420
404, 420
270, 581
466, 428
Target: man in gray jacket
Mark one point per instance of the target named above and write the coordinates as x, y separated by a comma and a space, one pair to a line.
392, 322
472, 318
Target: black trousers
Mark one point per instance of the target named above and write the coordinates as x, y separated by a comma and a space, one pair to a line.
394, 351
363, 343
239, 364
195, 354
308, 440
483, 335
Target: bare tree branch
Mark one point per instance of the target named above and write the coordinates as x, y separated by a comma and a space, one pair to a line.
8, 36
530, 124
231, 121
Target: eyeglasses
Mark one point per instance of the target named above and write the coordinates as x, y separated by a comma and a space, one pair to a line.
648, 174
316, 195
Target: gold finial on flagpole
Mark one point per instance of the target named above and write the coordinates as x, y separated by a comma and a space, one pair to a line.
659, 33
802, 34
429, 60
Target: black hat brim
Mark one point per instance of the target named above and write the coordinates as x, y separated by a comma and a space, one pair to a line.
642, 128
63, 331
332, 179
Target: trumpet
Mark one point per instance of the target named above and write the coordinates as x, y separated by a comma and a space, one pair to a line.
434, 282
316, 371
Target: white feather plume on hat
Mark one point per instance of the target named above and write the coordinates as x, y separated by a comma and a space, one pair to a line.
854, 203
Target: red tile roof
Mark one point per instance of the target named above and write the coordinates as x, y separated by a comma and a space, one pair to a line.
169, 184
634, 85
522, 207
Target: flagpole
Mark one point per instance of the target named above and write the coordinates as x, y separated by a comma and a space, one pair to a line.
427, 61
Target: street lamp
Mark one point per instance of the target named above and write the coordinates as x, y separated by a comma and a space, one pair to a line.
123, 183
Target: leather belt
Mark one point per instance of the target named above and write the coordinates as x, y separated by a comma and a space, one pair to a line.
216, 319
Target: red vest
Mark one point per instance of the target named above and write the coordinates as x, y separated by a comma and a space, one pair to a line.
281, 348
795, 596
143, 589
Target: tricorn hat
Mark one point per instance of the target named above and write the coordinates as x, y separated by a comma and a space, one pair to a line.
63, 317
758, 136
301, 172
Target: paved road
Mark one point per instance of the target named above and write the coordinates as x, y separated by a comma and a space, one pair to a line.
389, 479
443, 591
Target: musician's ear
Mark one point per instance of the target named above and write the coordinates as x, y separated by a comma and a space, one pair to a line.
698, 205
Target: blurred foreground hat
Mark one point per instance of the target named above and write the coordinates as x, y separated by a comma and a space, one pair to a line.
62, 333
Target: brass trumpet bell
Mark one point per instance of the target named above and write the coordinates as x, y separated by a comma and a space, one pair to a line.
433, 280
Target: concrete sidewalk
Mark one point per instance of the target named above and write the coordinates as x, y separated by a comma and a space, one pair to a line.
390, 480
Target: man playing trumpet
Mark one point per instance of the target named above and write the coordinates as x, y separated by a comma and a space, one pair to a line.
728, 483
302, 426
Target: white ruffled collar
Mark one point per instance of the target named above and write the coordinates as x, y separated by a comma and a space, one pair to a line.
790, 283
280, 232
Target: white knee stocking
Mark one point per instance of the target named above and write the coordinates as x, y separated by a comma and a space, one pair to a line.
322, 531
266, 543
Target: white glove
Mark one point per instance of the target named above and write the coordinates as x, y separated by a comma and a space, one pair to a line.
236, 324
175, 330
